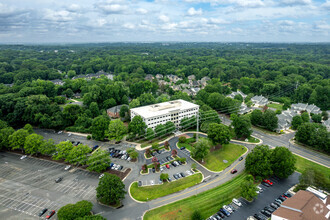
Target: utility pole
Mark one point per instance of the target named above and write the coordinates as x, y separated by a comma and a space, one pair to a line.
197, 125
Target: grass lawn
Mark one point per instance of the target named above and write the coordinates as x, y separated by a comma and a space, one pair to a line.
266, 131
156, 191
302, 164
276, 106
186, 145
208, 202
229, 152
253, 140
147, 143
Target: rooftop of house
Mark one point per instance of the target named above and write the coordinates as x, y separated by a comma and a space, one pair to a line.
115, 109
163, 108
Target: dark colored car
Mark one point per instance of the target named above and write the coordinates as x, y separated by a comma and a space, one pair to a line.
266, 213
175, 176
258, 217
95, 147
288, 195
269, 209
225, 212
139, 183
282, 198
265, 184
182, 148
233, 171
182, 174
58, 179
42, 212
153, 169
221, 214
241, 158
179, 162
173, 164
51, 213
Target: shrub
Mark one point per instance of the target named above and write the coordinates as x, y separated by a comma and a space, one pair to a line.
89, 137
174, 152
155, 146
182, 139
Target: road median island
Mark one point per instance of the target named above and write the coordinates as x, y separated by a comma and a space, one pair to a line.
207, 203
153, 192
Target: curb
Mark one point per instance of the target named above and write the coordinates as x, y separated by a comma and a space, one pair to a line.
129, 193
244, 142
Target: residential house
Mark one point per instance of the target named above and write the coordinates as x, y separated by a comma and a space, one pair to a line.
191, 77
285, 120
9, 85
299, 107
243, 109
159, 76
77, 95
149, 77
204, 80
162, 82
233, 94
176, 87
173, 78
327, 124
57, 82
114, 111
187, 91
94, 75
259, 100
194, 91
184, 85
313, 109
302, 206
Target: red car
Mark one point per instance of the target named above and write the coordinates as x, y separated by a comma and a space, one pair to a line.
268, 181
167, 166
233, 171
51, 213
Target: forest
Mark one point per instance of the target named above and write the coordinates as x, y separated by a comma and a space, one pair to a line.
286, 73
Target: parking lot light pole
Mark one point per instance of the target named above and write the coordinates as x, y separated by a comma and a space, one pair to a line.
197, 126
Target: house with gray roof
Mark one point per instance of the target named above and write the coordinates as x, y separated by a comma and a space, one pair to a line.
194, 91
149, 77
114, 111
191, 77
233, 94
327, 124
187, 91
244, 109
159, 76
57, 82
259, 100
299, 106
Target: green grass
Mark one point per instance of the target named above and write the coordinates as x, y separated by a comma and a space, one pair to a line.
147, 143
276, 106
156, 191
186, 145
265, 130
229, 152
253, 140
302, 164
207, 203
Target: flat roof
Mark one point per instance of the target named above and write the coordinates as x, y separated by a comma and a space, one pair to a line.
163, 108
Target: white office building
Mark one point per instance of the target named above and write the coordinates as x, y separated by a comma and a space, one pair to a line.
161, 113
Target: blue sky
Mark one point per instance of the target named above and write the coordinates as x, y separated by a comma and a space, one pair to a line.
76, 21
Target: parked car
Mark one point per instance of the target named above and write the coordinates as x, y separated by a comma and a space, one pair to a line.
265, 184
182, 148
179, 162
102, 175
287, 194
67, 167
225, 212
258, 217
161, 169
95, 147
267, 181
269, 209
175, 176
273, 205
237, 202
23, 157
51, 213
278, 201
233, 171
266, 213
128, 159
42, 212
167, 166
58, 179
227, 208
173, 164
69, 134
241, 158
139, 183
282, 198
221, 214
169, 179
153, 170
232, 207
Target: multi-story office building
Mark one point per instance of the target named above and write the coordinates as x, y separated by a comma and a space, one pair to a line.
161, 113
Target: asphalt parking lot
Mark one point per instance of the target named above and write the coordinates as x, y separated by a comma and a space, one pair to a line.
265, 198
27, 186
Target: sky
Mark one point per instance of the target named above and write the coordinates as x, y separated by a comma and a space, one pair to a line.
83, 21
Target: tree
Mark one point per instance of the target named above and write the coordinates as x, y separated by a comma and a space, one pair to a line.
249, 190
325, 115
256, 117
270, 121
282, 162
98, 161
117, 130
3, 124
174, 152
258, 161
154, 159
4, 136
242, 125
201, 149
305, 116
317, 118
28, 128
170, 127
123, 111
78, 154
47, 147
146, 99
196, 215
150, 134
99, 127
33, 143
218, 133
110, 189
132, 153
188, 122
296, 121
160, 130
137, 126
163, 176
155, 146
75, 211
134, 103
94, 108
182, 139
314, 177
17, 139
63, 150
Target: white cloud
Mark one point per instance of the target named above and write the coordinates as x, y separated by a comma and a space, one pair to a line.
73, 8
296, 2
326, 5
129, 26
192, 11
217, 21
142, 11
164, 18
249, 3
112, 6
58, 16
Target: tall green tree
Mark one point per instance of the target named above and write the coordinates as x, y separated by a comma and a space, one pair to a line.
117, 130
242, 125
201, 149
100, 125
94, 108
282, 162
160, 130
258, 161
17, 139
78, 154
218, 133
98, 161
170, 127
150, 134
317, 118
249, 190
270, 121
296, 121
33, 143
4, 136
137, 126
110, 190
305, 116
63, 150
123, 111
47, 147
256, 117
75, 211
28, 128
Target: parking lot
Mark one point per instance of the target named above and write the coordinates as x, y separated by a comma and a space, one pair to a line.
28, 185
268, 196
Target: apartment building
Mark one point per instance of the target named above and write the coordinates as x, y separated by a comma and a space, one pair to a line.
161, 113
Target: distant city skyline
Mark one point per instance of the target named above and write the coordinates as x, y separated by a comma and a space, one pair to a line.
87, 21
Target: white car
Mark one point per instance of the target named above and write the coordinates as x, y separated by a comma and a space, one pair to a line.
237, 202
113, 166
102, 175
23, 157
227, 208
69, 134
67, 167
128, 159
60, 132
260, 190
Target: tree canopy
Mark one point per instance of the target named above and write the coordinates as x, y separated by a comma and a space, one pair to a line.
110, 189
